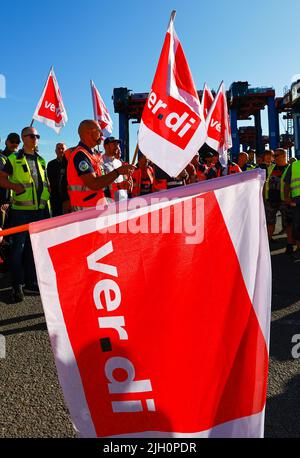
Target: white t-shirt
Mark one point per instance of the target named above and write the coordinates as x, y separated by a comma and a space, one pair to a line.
110, 164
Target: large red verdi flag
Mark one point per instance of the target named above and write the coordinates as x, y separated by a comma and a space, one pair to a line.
50, 109
140, 350
172, 127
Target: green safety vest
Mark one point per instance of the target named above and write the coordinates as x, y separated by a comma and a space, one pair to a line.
295, 179
250, 167
269, 172
28, 200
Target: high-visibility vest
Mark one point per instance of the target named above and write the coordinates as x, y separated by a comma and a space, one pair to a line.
137, 181
68, 152
81, 195
295, 179
28, 200
267, 185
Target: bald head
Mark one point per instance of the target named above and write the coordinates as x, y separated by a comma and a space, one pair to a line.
87, 124
60, 150
90, 133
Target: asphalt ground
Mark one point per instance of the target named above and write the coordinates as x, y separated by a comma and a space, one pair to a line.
31, 401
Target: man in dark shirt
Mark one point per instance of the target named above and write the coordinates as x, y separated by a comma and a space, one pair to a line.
56, 169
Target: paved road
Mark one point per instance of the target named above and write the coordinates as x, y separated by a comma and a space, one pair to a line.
31, 402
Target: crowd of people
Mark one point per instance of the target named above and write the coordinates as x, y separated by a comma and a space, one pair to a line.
82, 177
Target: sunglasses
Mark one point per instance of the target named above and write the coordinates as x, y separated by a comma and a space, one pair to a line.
33, 136
14, 143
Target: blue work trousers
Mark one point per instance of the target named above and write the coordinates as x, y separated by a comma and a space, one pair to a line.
21, 258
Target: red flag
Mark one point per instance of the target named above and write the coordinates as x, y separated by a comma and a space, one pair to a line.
140, 351
50, 110
172, 128
207, 100
101, 113
218, 125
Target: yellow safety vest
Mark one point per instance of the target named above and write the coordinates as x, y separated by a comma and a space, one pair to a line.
295, 179
28, 199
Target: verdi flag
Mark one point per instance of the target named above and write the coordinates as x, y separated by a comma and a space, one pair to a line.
207, 100
218, 125
101, 113
139, 352
50, 110
172, 127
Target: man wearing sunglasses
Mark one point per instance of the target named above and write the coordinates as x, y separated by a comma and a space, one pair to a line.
25, 174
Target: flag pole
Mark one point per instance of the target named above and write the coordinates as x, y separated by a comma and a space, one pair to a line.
135, 154
14, 230
173, 14
95, 117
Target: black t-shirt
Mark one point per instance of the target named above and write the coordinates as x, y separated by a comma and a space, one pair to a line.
274, 183
56, 170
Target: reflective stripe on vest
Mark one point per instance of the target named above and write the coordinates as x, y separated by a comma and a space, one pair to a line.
27, 200
270, 170
295, 179
81, 195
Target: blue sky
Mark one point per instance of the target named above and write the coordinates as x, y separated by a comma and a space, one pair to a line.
117, 43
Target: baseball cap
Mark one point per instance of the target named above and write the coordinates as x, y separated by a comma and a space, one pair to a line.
111, 140
14, 138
